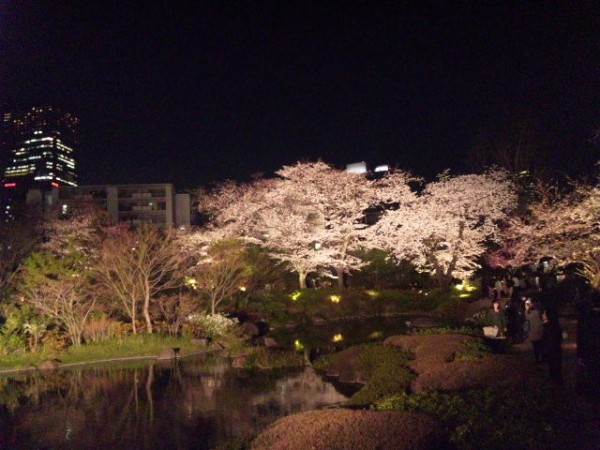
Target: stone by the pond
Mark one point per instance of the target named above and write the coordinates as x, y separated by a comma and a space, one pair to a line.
167, 354
270, 342
203, 342
250, 330
49, 364
239, 362
423, 322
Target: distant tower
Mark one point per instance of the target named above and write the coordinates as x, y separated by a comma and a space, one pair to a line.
40, 144
37, 149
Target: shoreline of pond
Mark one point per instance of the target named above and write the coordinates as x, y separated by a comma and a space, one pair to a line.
315, 321
33, 368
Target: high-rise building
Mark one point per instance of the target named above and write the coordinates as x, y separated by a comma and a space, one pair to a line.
40, 144
37, 152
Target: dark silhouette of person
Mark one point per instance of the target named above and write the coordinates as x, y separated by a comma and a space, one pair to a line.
515, 314
553, 344
534, 329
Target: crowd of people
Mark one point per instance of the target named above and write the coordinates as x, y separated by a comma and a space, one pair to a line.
522, 312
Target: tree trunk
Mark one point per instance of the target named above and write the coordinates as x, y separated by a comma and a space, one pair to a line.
147, 314
133, 318
340, 280
302, 279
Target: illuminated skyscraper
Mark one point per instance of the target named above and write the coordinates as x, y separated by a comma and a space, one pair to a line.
39, 147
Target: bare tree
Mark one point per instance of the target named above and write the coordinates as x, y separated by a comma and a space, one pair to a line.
59, 288
137, 265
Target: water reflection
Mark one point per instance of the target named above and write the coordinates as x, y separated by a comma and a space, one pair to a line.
335, 335
191, 404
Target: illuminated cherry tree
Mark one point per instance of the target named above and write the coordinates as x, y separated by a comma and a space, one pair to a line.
446, 229
268, 213
313, 217
565, 227
339, 203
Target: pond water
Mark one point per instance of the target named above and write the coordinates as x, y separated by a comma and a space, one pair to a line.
193, 403
338, 334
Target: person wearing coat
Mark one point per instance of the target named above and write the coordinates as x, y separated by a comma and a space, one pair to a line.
534, 329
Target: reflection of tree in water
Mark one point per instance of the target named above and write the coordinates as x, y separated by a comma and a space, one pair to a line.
188, 404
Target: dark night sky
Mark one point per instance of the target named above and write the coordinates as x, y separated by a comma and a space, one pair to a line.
193, 92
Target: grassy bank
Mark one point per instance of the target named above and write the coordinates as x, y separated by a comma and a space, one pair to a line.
114, 348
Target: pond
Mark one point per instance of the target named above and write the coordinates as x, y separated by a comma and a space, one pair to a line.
193, 403
338, 334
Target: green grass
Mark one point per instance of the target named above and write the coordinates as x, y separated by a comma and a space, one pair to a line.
124, 347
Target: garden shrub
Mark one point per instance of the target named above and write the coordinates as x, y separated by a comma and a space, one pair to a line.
55, 341
10, 343
101, 327
499, 417
473, 349
214, 325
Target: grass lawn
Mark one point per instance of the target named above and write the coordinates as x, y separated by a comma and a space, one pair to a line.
124, 347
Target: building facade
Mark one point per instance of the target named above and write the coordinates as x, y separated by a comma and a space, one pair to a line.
134, 203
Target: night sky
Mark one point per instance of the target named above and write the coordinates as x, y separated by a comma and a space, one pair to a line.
196, 92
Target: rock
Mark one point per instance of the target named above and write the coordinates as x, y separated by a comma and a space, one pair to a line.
202, 342
239, 362
167, 354
423, 322
270, 342
224, 345
49, 364
318, 321
250, 330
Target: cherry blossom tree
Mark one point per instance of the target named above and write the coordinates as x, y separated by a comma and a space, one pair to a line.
313, 217
339, 202
221, 273
446, 229
562, 226
271, 214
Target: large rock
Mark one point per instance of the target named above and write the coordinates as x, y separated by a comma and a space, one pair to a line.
239, 362
167, 354
429, 349
49, 364
202, 342
270, 342
250, 330
423, 322
347, 368
344, 429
